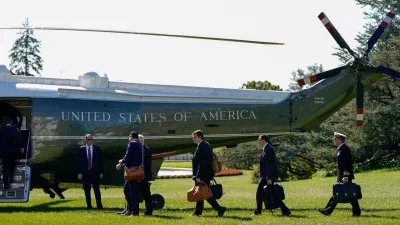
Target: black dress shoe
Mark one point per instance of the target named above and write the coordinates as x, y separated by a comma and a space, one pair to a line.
148, 213
356, 215
221, 211
89, 207
196, 214
257, 212
100, 207
324, 212
286, 212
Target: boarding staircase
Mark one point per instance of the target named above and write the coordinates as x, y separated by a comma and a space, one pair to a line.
19, 189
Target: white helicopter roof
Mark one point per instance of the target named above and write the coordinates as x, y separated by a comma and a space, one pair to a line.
92, 86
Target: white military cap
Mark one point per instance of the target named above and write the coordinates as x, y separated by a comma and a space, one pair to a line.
337, 134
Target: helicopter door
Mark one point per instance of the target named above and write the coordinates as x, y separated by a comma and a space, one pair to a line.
19, 188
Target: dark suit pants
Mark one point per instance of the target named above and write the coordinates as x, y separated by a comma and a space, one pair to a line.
212, 201
260, 197
146, 194
92, 179
132, 195
332, 205
8, 161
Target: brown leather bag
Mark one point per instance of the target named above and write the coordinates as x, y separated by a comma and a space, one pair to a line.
135, 173
199, 192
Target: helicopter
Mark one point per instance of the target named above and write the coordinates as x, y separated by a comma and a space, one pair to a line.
56, 114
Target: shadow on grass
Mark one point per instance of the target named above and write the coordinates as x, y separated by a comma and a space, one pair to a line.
380, 210
48, 207
167, 217
380, 217
341, 208
230, 217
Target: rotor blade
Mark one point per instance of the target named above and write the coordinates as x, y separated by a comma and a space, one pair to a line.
389, 72
360, 101
140, 33
335, 34
379, 31
314, 78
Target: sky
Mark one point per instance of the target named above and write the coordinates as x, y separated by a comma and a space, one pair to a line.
176, 61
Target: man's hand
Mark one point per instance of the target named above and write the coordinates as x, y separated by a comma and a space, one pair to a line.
101, 176
118, 166
197, 180
269, 182
80, 176
21, 150
345, 179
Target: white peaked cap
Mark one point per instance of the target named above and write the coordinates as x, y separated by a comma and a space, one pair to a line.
337, 134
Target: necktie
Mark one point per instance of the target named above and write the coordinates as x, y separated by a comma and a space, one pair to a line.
89, 158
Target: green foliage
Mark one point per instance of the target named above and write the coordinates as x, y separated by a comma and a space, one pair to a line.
255, 174
260, 85
300, 73
244, 156
24, 54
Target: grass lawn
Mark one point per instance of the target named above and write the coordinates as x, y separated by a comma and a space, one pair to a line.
380, 204
177, 164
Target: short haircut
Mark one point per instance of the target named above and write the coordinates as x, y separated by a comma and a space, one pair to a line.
264, 137
141, 136
198, 133
87, 135
134, 134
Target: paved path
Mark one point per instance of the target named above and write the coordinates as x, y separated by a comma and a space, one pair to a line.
171, 171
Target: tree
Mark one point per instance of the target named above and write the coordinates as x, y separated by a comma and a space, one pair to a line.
244, 156
300, 74
260, 85
25, 54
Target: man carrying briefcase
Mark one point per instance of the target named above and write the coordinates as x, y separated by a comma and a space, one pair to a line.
268, 174
345, 174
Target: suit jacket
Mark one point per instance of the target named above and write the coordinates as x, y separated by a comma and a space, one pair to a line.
344, 160
147, 163
268, 163
10, 139
202, 162
83, 163
133, 154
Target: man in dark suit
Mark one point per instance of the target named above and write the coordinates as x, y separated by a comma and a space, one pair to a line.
133, 157
202, 171
90, 170
144, 184
10, 144
268, 173
345, 174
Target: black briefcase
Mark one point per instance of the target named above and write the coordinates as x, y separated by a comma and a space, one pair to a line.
216, 189
346, 192
273, 195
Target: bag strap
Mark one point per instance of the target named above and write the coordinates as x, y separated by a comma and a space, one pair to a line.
143, 155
